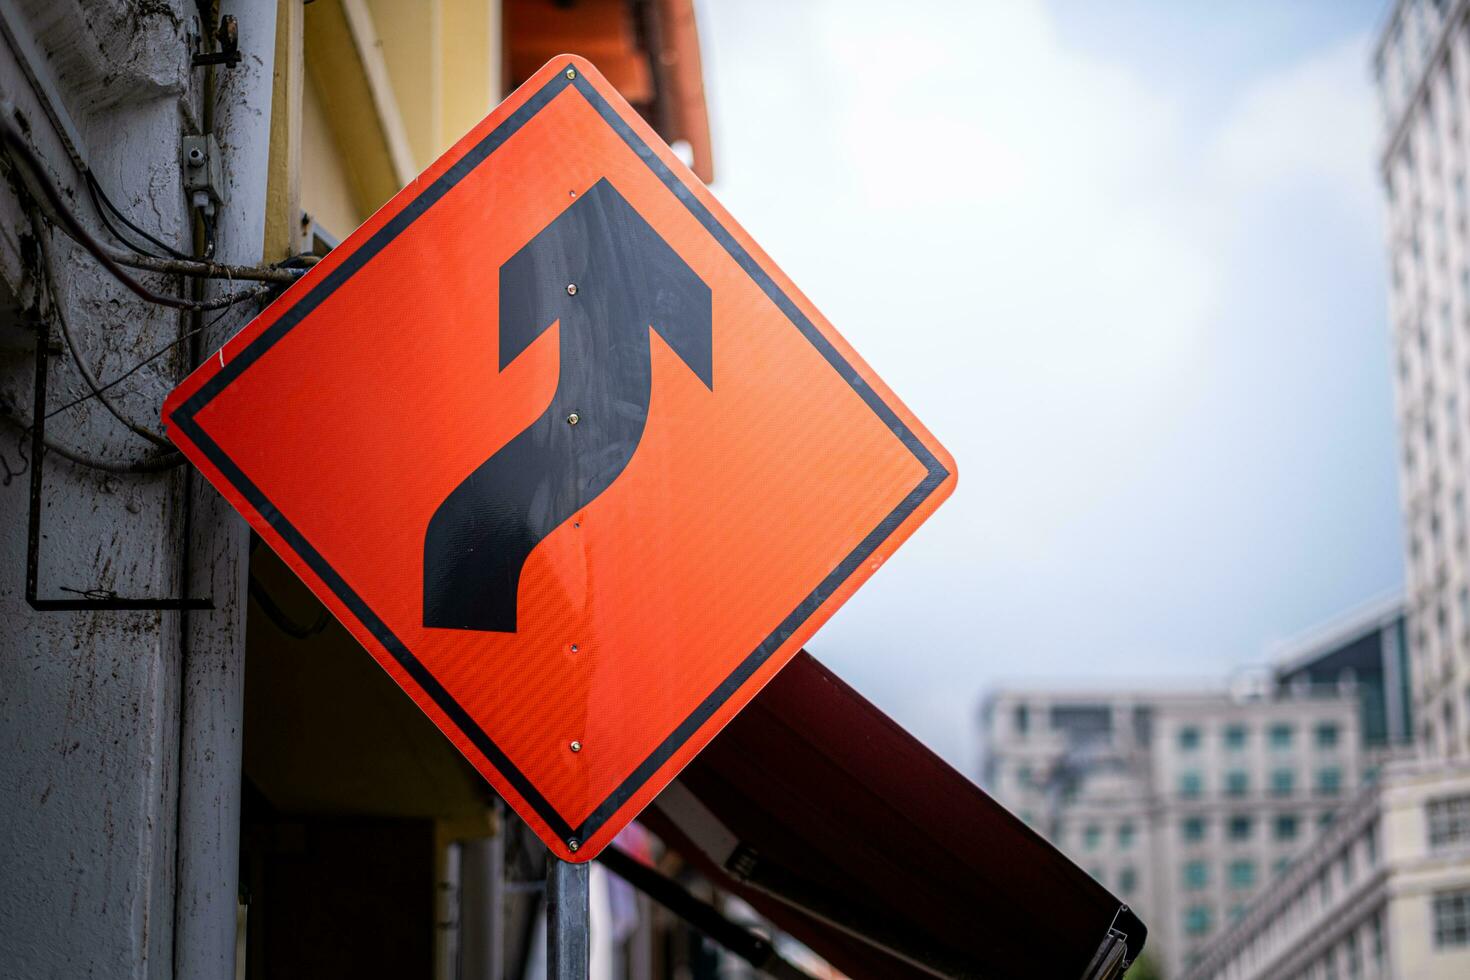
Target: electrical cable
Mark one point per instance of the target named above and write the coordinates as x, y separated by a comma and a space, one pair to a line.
12, 137
48, 261
284, 622
102, 204
147, 464
188, 335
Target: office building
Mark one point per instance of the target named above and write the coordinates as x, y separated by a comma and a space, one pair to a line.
1384, 893
1184, 804
1367, 649
1422, 65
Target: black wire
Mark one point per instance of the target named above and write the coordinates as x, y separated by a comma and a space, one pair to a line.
102, 204
20, 148
147, 464
207, 219
283, 621
140, 365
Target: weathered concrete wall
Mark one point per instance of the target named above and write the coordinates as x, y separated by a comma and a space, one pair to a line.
90, 702
213, 680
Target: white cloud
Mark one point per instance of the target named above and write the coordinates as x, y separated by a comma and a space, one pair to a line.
1313, 123
1039, 249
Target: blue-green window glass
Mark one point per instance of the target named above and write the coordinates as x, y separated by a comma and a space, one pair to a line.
1327, 733
1242, 874
1023, 775
1283, 782
1091, 836
1329, 781
1191, 785
1287, 826
1237, 783
1125, 836
1280, 736
1196, 874
1127, 881
1189, 738
1240, 827
1235, 737
1197, 920
1192, 829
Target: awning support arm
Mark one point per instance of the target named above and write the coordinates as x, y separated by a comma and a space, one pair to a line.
749, 946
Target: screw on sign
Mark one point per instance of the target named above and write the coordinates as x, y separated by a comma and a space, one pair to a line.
582, 506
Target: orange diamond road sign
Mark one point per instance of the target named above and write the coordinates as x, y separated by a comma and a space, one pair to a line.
565, 451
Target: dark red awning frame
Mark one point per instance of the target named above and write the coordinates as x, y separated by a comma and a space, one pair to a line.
846, 832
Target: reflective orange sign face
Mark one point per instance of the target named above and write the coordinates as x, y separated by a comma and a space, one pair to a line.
566, 452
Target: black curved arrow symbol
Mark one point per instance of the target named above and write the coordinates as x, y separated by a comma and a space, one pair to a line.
608, 277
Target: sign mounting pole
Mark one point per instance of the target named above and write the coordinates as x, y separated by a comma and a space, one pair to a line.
568, 920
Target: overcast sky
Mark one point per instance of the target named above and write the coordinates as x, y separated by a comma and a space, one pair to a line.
1125, 260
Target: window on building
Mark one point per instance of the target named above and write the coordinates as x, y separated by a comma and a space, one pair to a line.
1237, 783
1197, 920
1452, 918
1189, 738
1326, 819
1375, 941
1091, 836
1235, 737
1192, 829
1283, 782
1280, 736
1127, 880
1243, 874
1370, 843
1125, 835
1023, 775
1449, 820
1279, 866
1196, 875
1191, 785
1329, 781
1327, 734
1352, 956
1239, 827
1082, 723
1237, 912
1023, 719
1287, 826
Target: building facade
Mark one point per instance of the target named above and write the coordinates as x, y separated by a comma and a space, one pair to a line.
1422, 66
1383, 895
236, 790
1366, 648
1185, 804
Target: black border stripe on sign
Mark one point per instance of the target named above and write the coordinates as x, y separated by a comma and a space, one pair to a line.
185, 418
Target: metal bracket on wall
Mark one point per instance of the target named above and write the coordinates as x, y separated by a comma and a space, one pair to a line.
227, 36
90, 599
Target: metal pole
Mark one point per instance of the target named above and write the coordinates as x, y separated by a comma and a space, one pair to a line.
568, 921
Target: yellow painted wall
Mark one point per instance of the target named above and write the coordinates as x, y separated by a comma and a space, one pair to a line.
326, 192
443, 65
410, 33
471, 66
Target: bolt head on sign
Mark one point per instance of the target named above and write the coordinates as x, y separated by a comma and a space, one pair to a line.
565, 451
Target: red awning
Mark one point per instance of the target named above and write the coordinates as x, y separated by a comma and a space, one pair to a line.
847, 833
